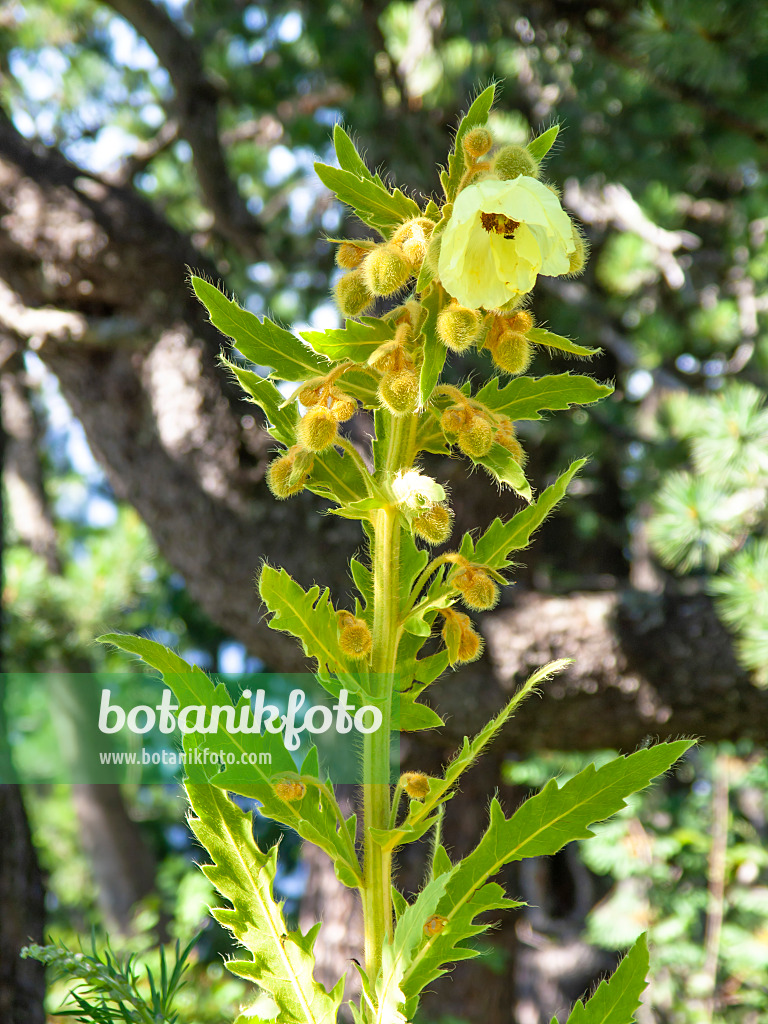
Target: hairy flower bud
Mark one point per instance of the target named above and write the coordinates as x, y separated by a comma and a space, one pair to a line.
290, 790
342, 406
355, 638
478, 591
386, 269
476, 439
415, 784
434, 524
512, 161
434, 925
349, 255
399, 391
512, 352
463, 643
279, 476
454, 419
506, 437
477, 142
310, 395
352, 293
318, 429
520, 322
458, 327
414, 250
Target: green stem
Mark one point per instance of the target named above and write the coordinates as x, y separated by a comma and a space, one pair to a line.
377, 863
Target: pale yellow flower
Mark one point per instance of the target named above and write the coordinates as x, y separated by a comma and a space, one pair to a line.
500, 237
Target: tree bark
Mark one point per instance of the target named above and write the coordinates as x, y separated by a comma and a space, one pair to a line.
96, 281
22, 898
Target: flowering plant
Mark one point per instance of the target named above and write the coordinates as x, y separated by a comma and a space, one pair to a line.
460, 271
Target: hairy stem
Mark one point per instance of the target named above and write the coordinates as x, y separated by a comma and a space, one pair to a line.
377, 899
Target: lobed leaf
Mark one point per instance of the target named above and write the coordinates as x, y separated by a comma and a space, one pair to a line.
524, 397
281, 962
616, 1000
308, 615
502, 537
356, 340
475, 116
192, 688
505, 470
541, 145
540, 827
348, 156
374, 204
543, 337
282, 421
263, 342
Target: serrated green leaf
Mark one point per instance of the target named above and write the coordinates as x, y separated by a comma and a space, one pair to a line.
540, 827
501, 465
264, 754
524, 397
282, 421
542, 337
616, 1000
263, 342
336, 476
503, 537
282, 961
439, 789
348, 156
363, 578
374, 204
413, 717
476, 115
357, 340
433, 351
398, 954
540, 146
308, 615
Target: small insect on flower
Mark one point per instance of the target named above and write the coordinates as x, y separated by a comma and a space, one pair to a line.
290, 790
501, 236
434, 925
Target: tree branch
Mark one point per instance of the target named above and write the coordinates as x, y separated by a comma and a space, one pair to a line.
197, 101
178, 442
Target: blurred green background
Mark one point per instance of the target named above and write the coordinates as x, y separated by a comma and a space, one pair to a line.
213, 111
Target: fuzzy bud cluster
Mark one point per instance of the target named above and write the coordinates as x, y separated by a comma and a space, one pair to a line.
477, 142
458, 633
290, 790
288, 473
413, 238
508, 343
349, 255
458, 327
477, 588
352, 294
399, 391
355, 639
471, 430
507, 438
512, 161
318, 429
434, 524
415, 784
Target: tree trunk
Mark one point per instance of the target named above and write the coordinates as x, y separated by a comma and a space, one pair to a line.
22, 899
